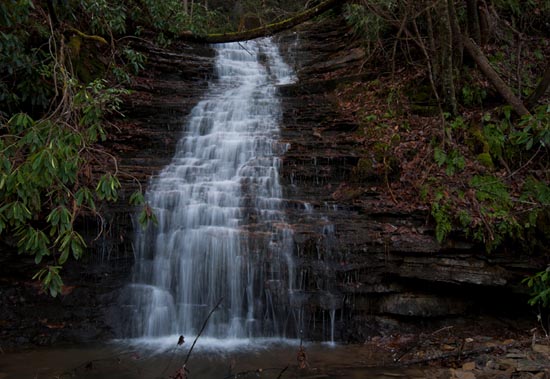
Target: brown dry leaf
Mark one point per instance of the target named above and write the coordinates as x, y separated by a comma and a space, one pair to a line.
469, 366
66, 290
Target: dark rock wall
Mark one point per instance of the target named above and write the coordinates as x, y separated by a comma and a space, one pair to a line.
361, 260
362, 264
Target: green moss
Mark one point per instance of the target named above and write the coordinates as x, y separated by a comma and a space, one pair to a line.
88, 66
486, 160
476, 141
74, 46
365, 169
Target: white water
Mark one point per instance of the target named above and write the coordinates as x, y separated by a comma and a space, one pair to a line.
221, 232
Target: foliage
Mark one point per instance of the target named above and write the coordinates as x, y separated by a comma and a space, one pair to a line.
22, 65
366, 24
105, 17
473, 95
442, 216
526, 15
51, 123
453, 161
170, 18
540, 288
45, 182
534, 130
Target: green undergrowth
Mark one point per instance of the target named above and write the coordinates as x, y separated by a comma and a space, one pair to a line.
505, 193
62, 84
504, 197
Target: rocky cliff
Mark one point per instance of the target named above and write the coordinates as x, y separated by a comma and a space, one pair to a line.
365, 259
366, 264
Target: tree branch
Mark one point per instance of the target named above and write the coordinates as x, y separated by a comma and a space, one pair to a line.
267, 30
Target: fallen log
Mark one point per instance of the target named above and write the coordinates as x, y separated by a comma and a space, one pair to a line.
497, 82
267, 30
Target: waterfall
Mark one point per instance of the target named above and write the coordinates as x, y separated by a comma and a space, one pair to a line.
221, 231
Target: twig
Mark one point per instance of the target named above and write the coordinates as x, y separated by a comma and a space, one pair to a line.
245, 49
455, 354
442, 329
202, 329
172, 355
420, 342
526, 164
282, 372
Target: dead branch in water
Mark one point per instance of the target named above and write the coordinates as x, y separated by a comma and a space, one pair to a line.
202, 329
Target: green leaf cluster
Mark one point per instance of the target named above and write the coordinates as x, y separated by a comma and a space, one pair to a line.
495, 210
366, 24
44, 186
534, 130
22, 62
442, 215
453, 161
540, 288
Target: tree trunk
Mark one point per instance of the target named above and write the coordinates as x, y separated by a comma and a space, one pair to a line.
446, 57
542, 87
485, 67
473, 20
53, 15
431, 45
458, 51
485, 24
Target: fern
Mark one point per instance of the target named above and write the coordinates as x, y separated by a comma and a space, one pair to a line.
492, 189
537, 191
442, 218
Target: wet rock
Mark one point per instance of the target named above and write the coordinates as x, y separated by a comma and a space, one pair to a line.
543, 349
530, 365
383, 260
506, 364
407, 304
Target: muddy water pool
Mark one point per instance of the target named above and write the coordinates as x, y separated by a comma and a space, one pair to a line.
212, 359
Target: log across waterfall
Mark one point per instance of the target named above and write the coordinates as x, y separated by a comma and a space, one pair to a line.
221, 230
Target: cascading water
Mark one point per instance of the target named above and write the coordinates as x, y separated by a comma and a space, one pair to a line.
221, 232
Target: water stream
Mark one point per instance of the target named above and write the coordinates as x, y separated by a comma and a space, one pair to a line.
221, 232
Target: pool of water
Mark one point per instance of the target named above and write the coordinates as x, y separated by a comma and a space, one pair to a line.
161, 358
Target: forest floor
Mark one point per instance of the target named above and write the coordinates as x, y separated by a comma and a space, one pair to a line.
425, 156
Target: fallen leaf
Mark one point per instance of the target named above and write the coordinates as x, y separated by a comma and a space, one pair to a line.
469, 366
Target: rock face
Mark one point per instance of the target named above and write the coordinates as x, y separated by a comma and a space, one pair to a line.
363, 263
364, 266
